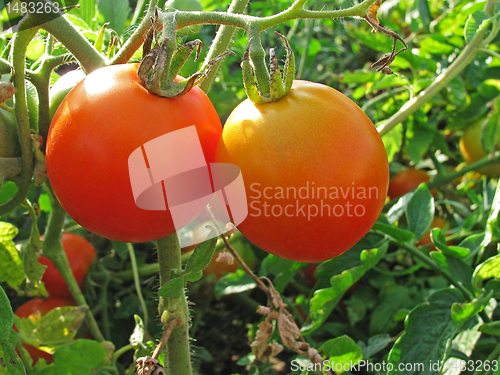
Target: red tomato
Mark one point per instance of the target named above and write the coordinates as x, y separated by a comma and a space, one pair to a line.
315, 172
44, 306
95, 129
406, 181
81, 255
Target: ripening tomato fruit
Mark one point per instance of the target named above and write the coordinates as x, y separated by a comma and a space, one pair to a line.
81, 255
315, 172
95, 129
437, 222
472, 150
405, 181
43, 306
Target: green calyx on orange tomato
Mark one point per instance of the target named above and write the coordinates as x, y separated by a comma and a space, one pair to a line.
80, 254
472, 149
271, 87
314, 168
405, 181
98, 125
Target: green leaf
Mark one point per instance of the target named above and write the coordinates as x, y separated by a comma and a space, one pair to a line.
7, 352
137, 337
87, 12
429, 331
201, 256
454, 267
284, 270
398, 234
425, 12
172, 288
342, 352
374, 345
419, 139
489, 268
439, 240
324, 300
476, 22
462, 312
235, 282
489, 136
420, 211
492, 224
115, 12
82, 357
12, 270
492, 328
392, 300
57, 328
392, 141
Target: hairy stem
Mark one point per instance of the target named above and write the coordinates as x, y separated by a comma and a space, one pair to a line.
53, 250
177, 351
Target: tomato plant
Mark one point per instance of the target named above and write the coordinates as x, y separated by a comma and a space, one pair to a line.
315, 171
9, 143
406, 181
472, 149
95, 129
43, 306
81, 255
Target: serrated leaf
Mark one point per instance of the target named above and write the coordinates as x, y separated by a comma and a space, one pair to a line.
7, 352
489, 268
58, 327
462, 312
429, 331
12, 270
172, 288
420, 211
235, 282
115, 12
324, 300
476, 22
201, 256
342, 352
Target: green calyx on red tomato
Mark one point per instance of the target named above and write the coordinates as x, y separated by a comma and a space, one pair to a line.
42, 306
472, 149
98, 125
315, 172
80, 254
405, 181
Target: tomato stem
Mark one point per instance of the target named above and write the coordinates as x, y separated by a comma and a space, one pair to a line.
177, 351
53, 250
221, 43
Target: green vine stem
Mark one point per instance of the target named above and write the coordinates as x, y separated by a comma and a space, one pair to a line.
221, 43
135, 41
177, 351
22, 181
41, 80
464, 59
63, 30
133, 261
53, 250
